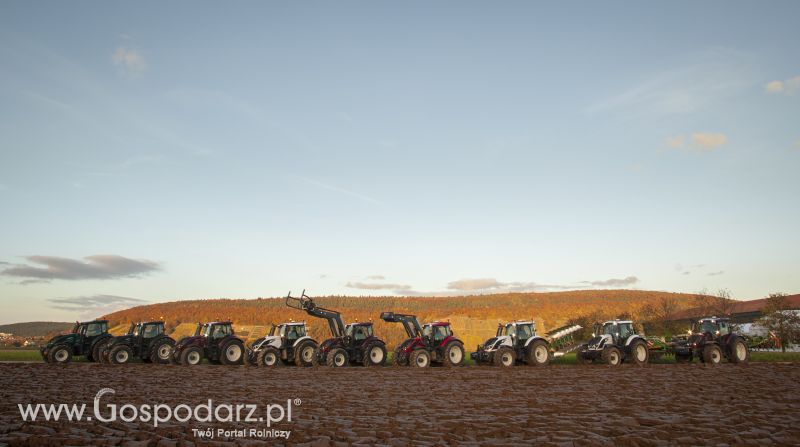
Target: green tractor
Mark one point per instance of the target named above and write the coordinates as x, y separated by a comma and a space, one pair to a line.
86, 339
146, 341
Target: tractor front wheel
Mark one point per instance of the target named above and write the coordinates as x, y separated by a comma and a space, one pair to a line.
453, 354
269, 357
232, 352
612, 356
337, 358
538, 353
192, 356
305, 352
420, 358
120, 355
60, 354
639, 353
97, 351
398, 358
504, 356
375, 354
162, 352
712, 355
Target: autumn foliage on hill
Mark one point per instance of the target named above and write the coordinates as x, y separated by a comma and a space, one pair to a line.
473, 318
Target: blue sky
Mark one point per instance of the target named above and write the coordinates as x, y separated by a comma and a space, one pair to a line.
153, 152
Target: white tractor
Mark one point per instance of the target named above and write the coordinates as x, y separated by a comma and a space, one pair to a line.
517, 342
286, 343
613, 343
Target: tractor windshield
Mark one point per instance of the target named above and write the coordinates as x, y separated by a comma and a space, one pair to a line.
610, 329
152, 330
706, 326
437, 333
359, 332
293, 331
220, 330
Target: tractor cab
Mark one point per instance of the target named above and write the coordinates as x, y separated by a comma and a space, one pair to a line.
358, 331
217, 331
713, 326
81, 341
437, 332
519, 331
91, 328
291, 332
619, 330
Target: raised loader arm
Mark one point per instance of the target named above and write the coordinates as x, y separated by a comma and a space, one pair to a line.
305, 303
410, 323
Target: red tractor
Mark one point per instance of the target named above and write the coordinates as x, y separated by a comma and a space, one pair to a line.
431, 343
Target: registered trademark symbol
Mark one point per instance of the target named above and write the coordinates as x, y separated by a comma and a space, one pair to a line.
298, 402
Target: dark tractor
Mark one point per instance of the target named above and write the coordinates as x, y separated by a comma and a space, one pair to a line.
613, 343
86, 339
145, 341
431, 343
214, 341
517, 342
352, 344
710, 340
287, 343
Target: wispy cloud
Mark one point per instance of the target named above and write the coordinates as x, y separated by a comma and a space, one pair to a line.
130, 62
379, 286
712, 76
787, 87
376, 277
96, 305
347, 192
614, 282
699, 141
92, 267
716, 273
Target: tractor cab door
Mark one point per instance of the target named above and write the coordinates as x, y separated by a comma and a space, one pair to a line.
148, 333
88, 333
439, 334
215, 335
292, 333
624, 330
524, 332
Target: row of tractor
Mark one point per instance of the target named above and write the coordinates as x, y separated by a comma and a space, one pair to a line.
710, 340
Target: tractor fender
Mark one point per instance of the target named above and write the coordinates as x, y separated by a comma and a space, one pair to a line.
448, 340
371, 339
632, 338
264, 342
301, 339
100, 339
534, 338
410, 344
330, 343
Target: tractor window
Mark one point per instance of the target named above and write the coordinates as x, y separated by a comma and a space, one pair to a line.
93, 329
220, 331
136, 330
610, 329
358, 333
724, 328
440, 333
625, 330
524, 332
427, 331
294, 332
708, 326
151, 330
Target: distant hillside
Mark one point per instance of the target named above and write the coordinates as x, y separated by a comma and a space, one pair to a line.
35, 328
474, 318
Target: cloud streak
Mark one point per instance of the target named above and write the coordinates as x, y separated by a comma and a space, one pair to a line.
379, 286
614, 282
130, 62
788, 87
95, 305
47, 268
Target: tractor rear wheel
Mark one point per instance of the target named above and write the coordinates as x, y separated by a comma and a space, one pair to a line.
161, 352
60, 354
398, 358
712, 355
269, 357
375, 354
419, 358
538, 353
504, 356
232, 352
639, 353
453, 354
305, 353
739, 352
120, 355
612, 356
337, 358
192, 356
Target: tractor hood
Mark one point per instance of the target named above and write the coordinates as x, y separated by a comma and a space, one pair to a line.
66, 338
599, 341
186, 341
122, 339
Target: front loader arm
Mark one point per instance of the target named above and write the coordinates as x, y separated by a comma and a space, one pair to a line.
305, 303
410, 323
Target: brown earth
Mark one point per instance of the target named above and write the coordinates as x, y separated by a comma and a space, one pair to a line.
756, 404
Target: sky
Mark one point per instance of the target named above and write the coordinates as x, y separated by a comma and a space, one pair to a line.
159, 151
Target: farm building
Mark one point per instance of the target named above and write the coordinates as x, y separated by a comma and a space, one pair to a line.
742, 312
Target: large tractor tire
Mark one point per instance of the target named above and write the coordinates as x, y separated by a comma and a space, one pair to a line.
739, 352
232, 352
639, 353
337, 358
192, 356
504, 356
398, 359
374, 354
453, 354
268, 357
60, 354
712, 355
97, 350
305, 353
538, 353
612, 356
161, 351
419, 358
120, 355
